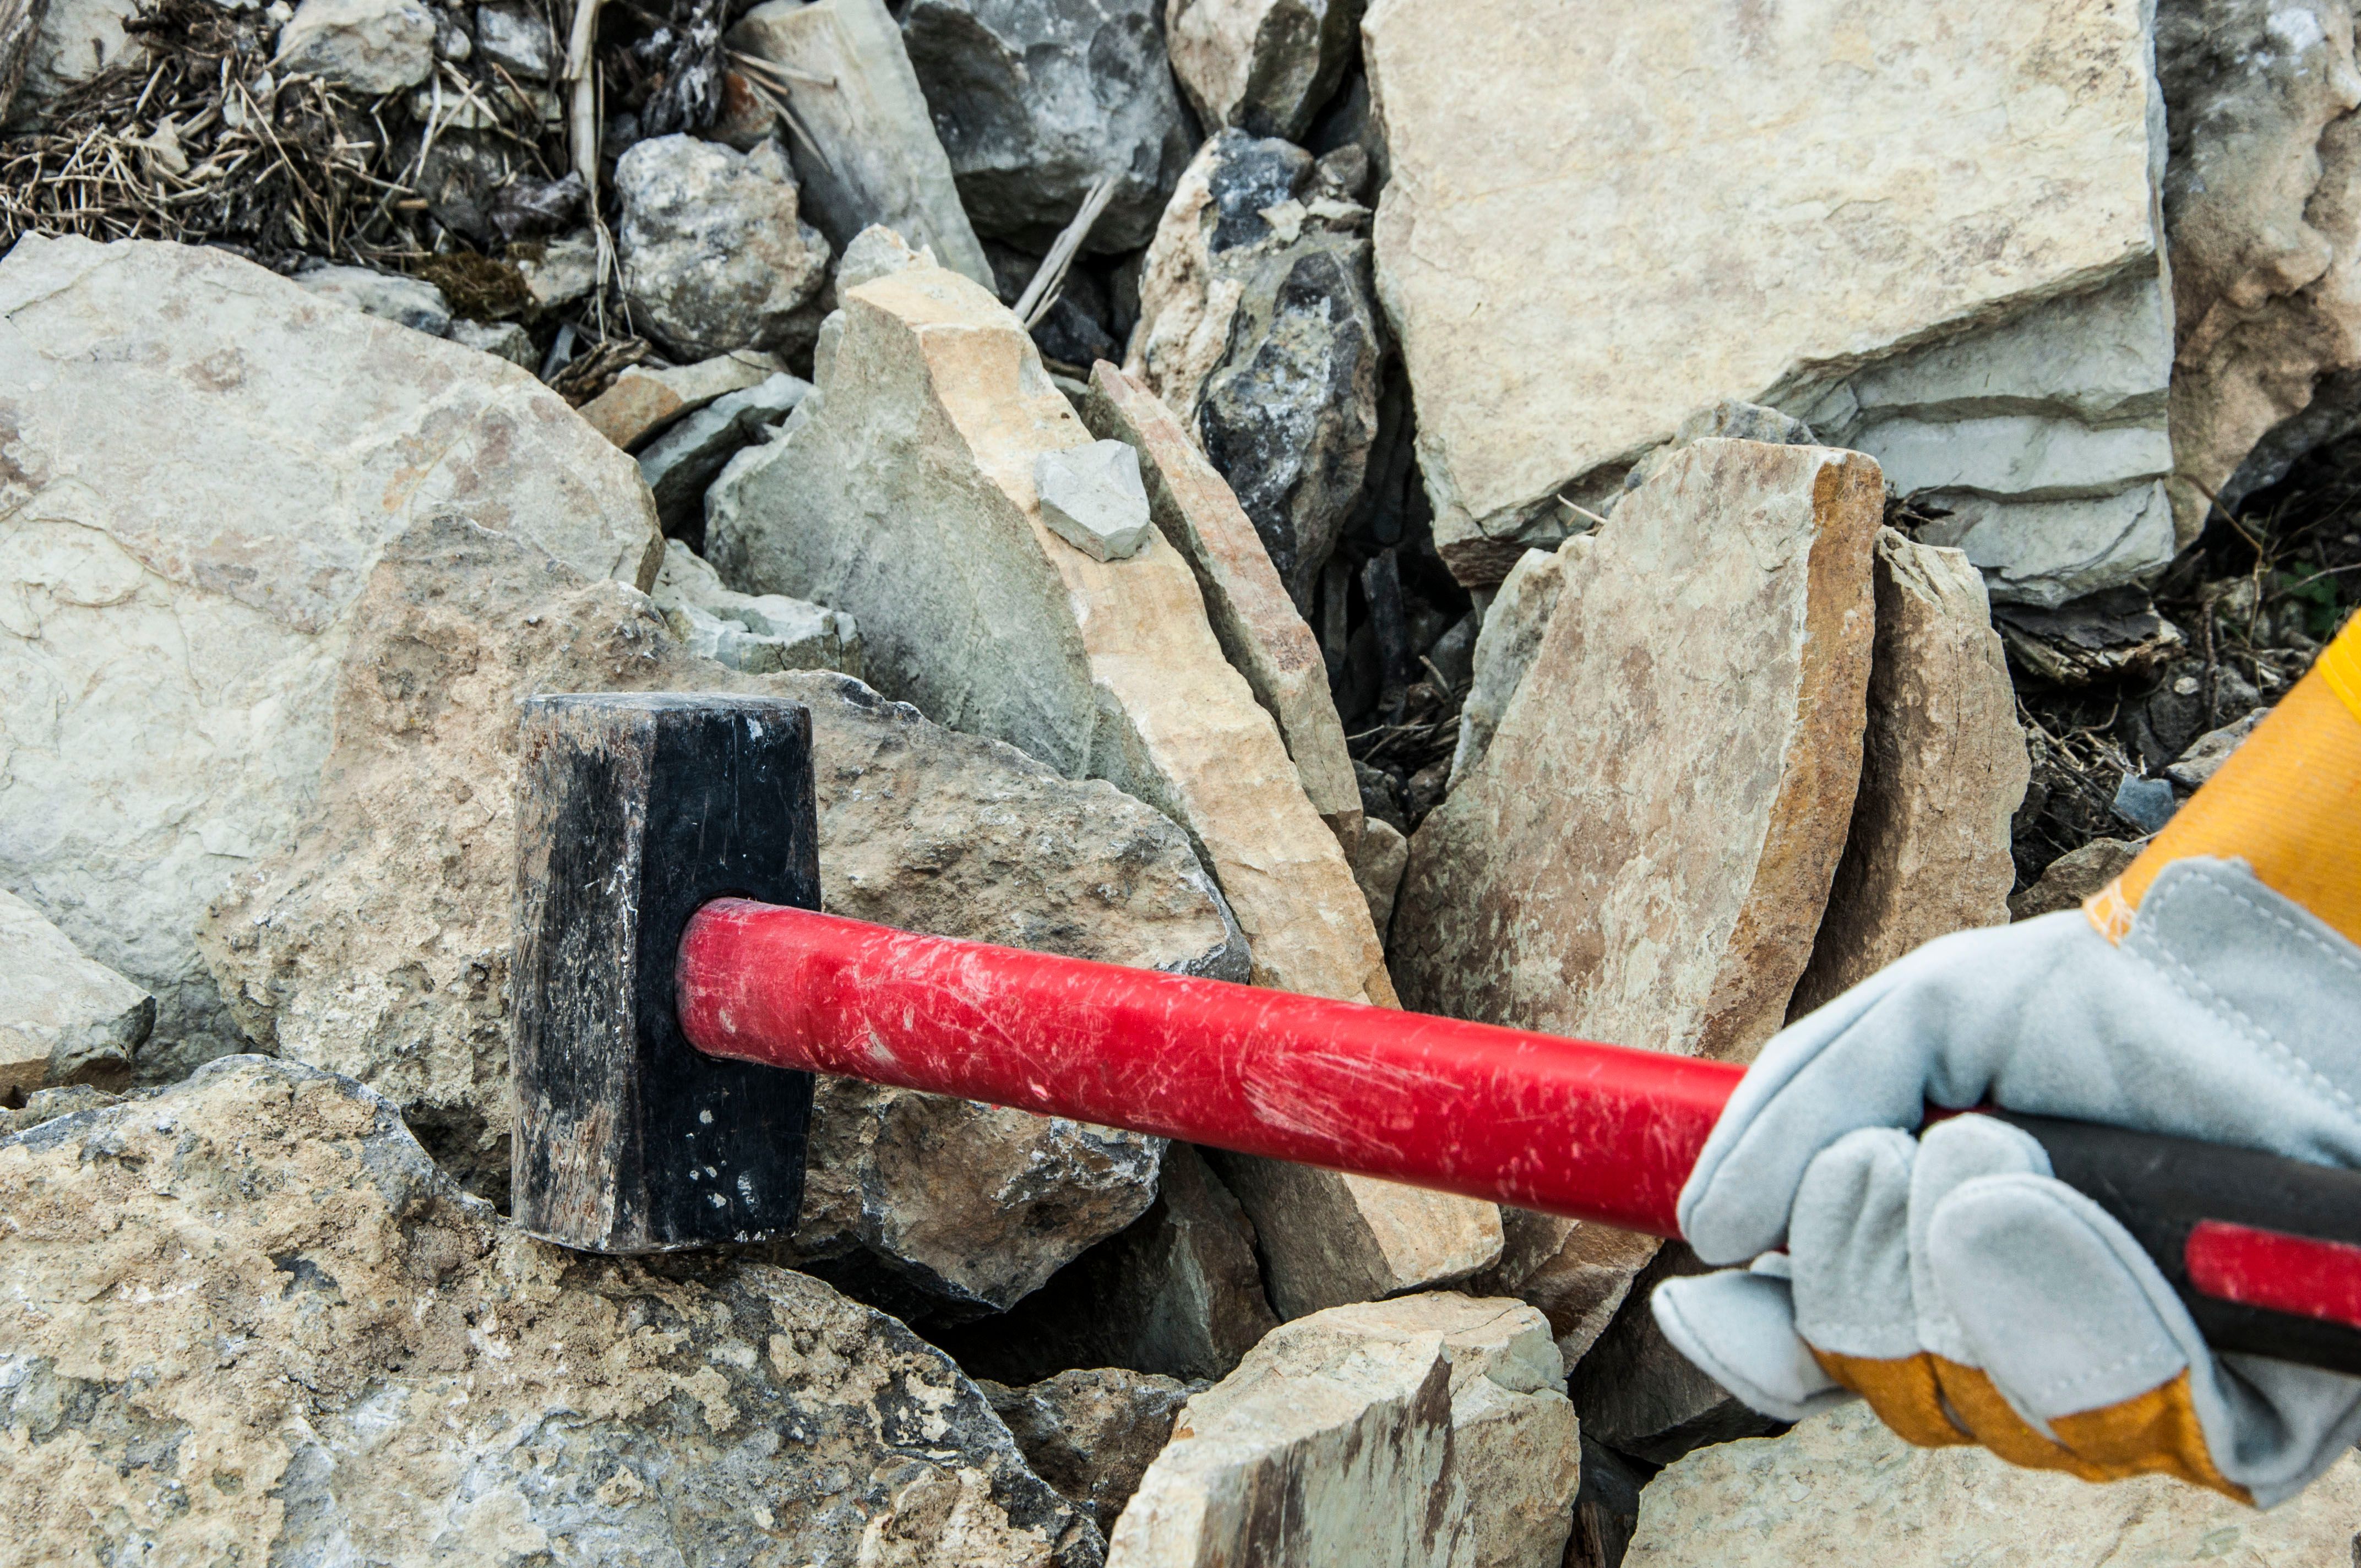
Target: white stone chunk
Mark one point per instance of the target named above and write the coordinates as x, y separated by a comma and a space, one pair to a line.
369, 47
63, 1019
1092, 498
1431, 1429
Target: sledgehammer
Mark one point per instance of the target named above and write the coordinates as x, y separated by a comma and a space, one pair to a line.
675, 987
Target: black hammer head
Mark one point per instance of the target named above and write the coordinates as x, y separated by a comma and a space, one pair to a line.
631, 812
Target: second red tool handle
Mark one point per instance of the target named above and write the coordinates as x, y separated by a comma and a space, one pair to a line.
1594, 1132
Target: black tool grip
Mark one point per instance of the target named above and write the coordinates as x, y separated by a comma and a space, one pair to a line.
2268, 1229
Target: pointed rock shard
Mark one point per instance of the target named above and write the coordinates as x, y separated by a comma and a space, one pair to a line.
1432, 1429
1092, 499
903, 492
865, 152
1943, 771
1645, 852
1513, 625
930, 531
1264, 637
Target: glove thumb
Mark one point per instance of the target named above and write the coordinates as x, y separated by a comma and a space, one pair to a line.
1739, 1327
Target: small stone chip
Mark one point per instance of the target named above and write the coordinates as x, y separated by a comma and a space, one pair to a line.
1091, 496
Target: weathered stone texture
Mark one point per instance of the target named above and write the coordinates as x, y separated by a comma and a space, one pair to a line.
1855, 181
841, 68
1035, 101
642, 401
367, 47
1178, 1292
1579, 1275
1943, 771
256, 1324
63, 1019
1841, 1488
2262, 202
1331, 1239
1427, 1430
1266, 66
201, 464
380, 944
1261, 633
715, 257
1257, 327
1644, 854
1092, 1433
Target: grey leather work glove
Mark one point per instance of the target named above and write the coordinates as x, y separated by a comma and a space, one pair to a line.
1946, 1276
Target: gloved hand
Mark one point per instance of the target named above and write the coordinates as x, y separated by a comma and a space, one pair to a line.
1947, 1277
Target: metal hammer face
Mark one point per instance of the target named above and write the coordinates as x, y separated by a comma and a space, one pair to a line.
632, 810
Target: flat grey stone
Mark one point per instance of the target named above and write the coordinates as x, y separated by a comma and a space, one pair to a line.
1093, 499
501, 340
679, 464
412, 301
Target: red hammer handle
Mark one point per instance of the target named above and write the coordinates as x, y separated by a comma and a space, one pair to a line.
2265, 1251
1589, 1131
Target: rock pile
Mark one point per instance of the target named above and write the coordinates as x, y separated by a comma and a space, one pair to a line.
1597, 518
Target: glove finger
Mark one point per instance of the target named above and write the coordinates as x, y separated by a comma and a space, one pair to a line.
1739, 1328
1849, 1247
1950, 1155
2047, 1291
1935, 1028
2267, 1428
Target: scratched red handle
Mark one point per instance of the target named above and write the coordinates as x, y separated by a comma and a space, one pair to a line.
1565, 1126
2265, 1251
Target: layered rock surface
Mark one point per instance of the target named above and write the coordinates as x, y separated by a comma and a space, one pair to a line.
1861, 181
1260, 631
1091, 1432
379, 946
1266, 66
202, 464
1431, 1429
263, 1326
1822, 1494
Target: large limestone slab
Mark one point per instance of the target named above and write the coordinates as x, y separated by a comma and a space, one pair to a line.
1943, 771
1840, 1489
200, 464
868, 153
1858, 182
1260, 631
1430, 1430
379, 946
253, 1322
63, 1019
903, 490
1643, 854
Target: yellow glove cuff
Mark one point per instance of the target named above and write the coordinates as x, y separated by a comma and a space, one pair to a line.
2288, 803
1934, 1403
